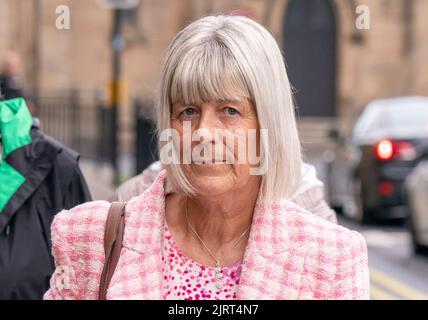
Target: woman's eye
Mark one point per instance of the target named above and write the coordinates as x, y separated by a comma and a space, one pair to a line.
189, 112
231, 111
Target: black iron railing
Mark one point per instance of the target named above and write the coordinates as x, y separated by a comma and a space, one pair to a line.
80, 121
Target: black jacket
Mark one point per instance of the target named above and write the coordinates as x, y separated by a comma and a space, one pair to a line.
53, 182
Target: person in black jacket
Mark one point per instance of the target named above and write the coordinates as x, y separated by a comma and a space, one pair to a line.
38, 178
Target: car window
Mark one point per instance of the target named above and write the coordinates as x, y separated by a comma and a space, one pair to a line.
394, 118
367, 122
415, 116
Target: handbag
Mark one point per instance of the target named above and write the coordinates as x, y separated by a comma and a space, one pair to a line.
113, 237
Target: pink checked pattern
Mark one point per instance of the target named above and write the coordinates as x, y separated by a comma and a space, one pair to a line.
291, 253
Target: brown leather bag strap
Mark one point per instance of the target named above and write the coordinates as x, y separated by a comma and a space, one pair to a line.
113, 236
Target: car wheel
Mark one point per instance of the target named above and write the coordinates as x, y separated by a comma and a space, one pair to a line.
417, 247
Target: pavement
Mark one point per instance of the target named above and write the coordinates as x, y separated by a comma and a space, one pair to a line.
396, 273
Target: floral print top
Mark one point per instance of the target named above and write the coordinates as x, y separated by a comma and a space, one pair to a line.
185, 279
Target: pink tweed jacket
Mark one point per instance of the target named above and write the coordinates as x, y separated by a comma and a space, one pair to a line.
291, 253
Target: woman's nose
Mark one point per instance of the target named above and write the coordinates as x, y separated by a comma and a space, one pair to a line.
207, 126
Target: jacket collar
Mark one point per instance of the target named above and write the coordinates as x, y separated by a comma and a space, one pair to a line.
31, 163
269, 232
15, 125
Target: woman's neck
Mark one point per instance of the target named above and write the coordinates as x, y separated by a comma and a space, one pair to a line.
221, 220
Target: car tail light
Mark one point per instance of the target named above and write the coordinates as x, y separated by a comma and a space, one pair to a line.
385, 150
401, 150
386, 188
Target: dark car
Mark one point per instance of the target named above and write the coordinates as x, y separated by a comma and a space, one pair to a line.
368, 173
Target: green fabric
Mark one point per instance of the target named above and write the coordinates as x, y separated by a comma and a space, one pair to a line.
11, 180
15, 126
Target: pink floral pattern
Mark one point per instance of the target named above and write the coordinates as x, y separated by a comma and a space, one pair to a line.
185, 279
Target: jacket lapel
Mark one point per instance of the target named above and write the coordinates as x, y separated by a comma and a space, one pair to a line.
139, 270
275, 277
137, 277
274, 260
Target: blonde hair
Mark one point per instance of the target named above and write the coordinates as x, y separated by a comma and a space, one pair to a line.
217, 58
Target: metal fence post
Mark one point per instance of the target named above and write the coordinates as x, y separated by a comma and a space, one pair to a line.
75, 116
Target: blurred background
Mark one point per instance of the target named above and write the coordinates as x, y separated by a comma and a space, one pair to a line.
89, 70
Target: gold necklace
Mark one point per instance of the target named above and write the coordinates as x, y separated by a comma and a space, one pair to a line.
218, 269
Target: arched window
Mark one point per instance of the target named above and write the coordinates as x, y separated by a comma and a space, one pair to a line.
309, 30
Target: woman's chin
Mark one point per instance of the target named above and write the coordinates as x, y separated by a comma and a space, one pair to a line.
210, 169
215, 181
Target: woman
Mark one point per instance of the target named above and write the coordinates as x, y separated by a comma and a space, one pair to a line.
222, 230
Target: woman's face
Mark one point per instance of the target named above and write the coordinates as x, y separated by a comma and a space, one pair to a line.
218, 135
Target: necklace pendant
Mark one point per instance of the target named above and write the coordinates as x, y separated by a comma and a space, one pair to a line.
219, 283
218, 276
